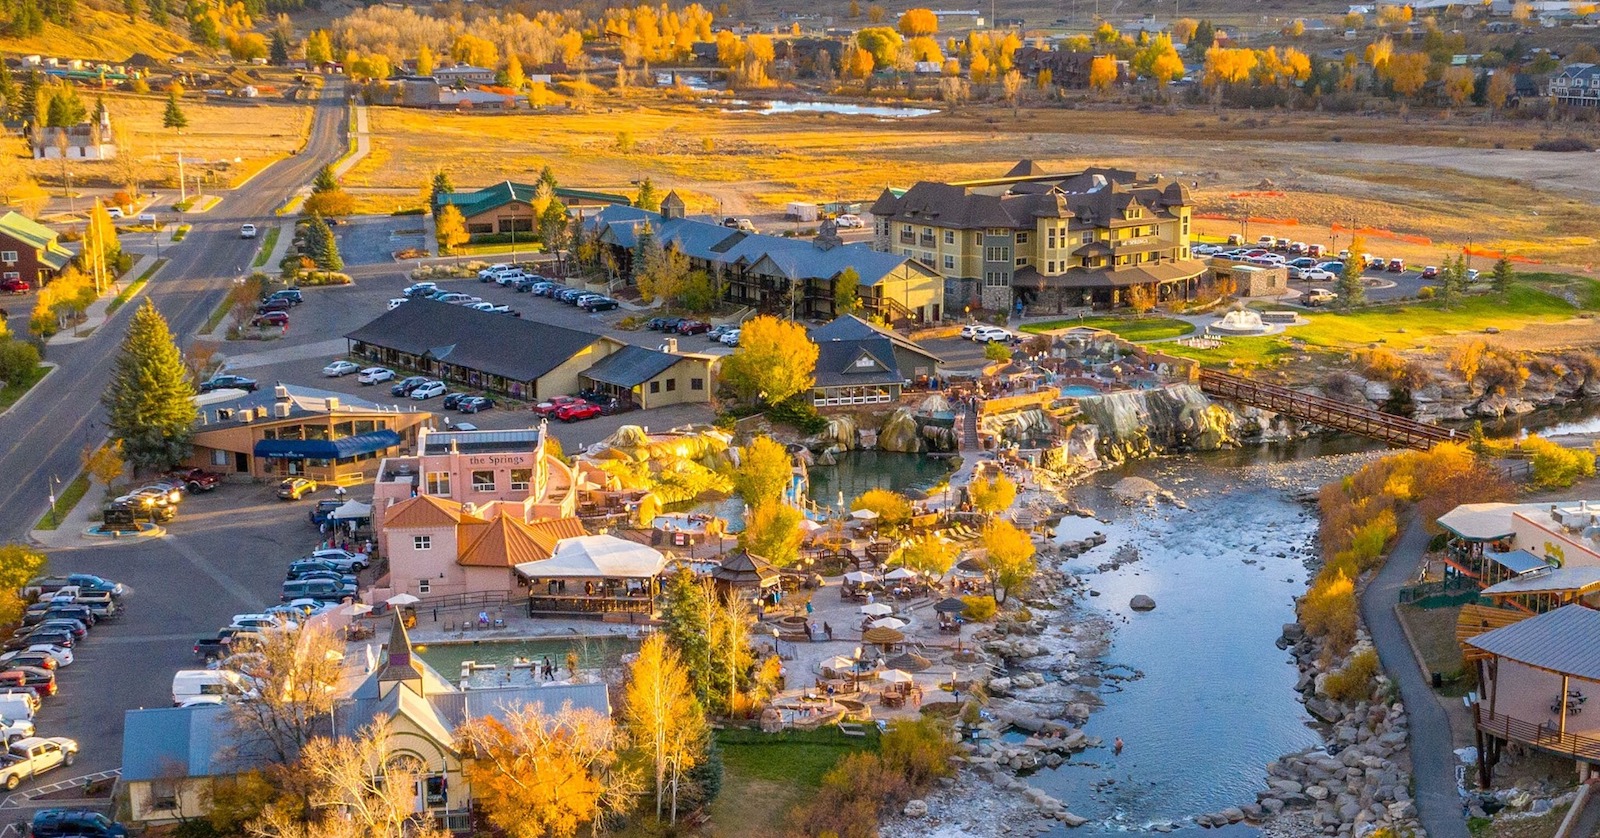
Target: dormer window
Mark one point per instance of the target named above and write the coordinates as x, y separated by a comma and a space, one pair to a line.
865, 362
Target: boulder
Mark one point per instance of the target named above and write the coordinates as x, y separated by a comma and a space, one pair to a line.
1070, 819
1316, 793
1271, 805
1232, 814
900, 434
1142, 602
916, 809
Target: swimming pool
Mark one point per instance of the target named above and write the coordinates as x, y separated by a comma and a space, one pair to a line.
1080, 390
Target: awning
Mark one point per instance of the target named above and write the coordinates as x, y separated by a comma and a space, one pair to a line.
326, 449
1516, 561
352, 509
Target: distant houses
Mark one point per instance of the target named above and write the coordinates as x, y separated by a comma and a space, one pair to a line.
1576, 85
88, 140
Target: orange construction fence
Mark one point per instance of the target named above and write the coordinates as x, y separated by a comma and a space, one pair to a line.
1499, 254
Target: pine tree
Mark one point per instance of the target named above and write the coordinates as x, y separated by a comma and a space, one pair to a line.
133, 8
325, 181
158, 13
150, 401
647, 199
547, 176
174, 118
10, 101
1351, 290
1449, 282
1503, 275
65, 109
326, 252
441, 186
279, 51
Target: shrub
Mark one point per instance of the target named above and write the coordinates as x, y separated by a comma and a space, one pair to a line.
1556, 466
1354, 681
800, 413
1329, 611
1563, 144
522, 238
979, 608
631, 323
311, 278
1426, 292
918, 750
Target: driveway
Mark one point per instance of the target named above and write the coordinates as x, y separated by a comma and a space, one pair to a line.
374, 239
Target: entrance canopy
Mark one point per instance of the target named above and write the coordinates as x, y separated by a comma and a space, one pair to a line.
1517, 561
352, 509
327, 449
596, 557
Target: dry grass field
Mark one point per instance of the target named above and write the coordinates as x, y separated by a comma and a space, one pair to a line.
101, 35
1384, 174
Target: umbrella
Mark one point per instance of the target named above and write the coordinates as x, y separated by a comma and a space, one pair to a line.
895, 676
863, 515
877, 609
950, 605
910, 662
882, 635
356, 609
900, 573
859, 577
402, 599
809, 525
889, 623
839, 663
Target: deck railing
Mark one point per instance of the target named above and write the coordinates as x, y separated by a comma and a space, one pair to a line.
1545, 735
1396, 430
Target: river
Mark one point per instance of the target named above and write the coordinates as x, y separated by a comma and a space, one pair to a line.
1197, 690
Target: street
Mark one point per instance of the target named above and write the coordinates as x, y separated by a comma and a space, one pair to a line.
225, 555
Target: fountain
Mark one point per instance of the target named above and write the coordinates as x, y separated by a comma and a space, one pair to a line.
1240, 321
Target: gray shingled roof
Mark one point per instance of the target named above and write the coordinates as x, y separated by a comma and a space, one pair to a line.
518, 349
1566, 640
631, 366
836, 363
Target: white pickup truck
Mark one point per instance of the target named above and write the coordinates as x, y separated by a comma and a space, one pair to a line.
33, 756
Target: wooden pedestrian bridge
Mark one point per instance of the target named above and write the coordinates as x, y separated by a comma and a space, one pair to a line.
1385, 427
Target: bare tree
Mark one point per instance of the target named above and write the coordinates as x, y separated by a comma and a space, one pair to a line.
296, 674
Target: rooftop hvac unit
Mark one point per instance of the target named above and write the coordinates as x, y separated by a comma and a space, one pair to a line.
281, 410
280, 393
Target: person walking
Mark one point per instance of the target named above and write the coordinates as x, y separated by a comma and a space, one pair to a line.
827, 629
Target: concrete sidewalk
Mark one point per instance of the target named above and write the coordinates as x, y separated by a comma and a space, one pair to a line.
1433, 760
99, 311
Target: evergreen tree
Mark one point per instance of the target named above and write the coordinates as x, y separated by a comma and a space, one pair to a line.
28, 104
278, 53
441, 186
26, 19
1449, 282
174, 117
325, 181
547, 176
158, 13
99, 110
686, 617
644, 249
10, 94
65, 109
133, 8
150, 401
647, 199
1204, 38
326, 252
1503, 275
1350, 288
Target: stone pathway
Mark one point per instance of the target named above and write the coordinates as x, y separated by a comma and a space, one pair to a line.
1433, 761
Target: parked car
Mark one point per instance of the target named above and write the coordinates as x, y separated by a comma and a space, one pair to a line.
83, 581
1303, 262
453, 400
23, 657
247, 231
1396, 266
1315, 251
1472, 274
420, 289
293, 295
850, 220
656, 324
404, 386
428, 390
475, 404
322, 511
716, 332
229, 382
340, 368
451, 297
275, 319
993, 334
601, 304
41, 681
296, 488
555, 403
1430, 272
1319, 296
373, 375
578, 412
272, 305
1334, 268
15, 286
74, 823
492, 308
196, 479
62, 656
570, 295
345, 561
14, 729
27, 758
1316, 275
730, 338
693, 327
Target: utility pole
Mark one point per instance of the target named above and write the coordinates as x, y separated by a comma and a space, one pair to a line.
183, 187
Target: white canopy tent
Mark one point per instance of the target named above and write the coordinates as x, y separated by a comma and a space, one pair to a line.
352, 509
877, 609
596, 557
900, 573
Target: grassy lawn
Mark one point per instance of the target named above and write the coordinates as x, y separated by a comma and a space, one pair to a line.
1144, 328
1434, 630
268, 241
182, 232
15, 390
1411, 325
778, 770
133, 287
65, 502
223, 307
495, 249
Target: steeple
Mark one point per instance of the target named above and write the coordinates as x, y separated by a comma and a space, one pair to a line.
400, 667
672, 206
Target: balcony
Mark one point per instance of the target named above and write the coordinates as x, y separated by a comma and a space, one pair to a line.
908, 238
1543, 735
925, 241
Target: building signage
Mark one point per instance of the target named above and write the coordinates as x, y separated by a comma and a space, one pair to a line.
489, 460
1133, 242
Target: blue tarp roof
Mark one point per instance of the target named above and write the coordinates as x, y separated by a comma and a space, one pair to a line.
1517, 561
327, 449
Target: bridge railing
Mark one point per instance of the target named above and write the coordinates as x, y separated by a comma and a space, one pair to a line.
1324, 411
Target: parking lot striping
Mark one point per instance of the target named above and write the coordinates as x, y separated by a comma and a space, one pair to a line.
250, 598
24, 798
143, 638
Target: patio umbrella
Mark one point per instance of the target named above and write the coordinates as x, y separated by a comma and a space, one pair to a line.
950, 605
839, 663
882, 636
889, 623
877, 609
808, 525
910, 662
900, 573
863, 515
356, 609
399, 600
859, 577
895, 676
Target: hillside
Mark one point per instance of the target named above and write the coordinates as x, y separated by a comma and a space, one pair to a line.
98, 33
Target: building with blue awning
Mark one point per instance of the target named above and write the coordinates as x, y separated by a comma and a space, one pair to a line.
291, 431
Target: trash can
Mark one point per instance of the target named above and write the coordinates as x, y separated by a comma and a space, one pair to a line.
1438, 680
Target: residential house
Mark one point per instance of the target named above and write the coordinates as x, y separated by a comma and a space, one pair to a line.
508, 207
1577, 85
785, 276
523, 359
1052, 240
293, 431
654, 378
463, 74
859, 363
172, 756
89, 140
29, 251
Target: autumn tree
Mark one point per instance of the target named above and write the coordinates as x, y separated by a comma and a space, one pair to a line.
18, 564
772, 531
764, 471
846, 292
473, 50
1010, 557
775, 361
882, 43
150, 400
1497, 91
994, 495
327, 197
296, 675
318, 48
104, 462
1102, 72
665, 722
927, 554
1406, 72
918, 23
450, 229
424, 61
1459, 82
893, 509
855, 63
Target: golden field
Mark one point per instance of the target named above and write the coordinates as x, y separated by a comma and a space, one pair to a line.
1438, 179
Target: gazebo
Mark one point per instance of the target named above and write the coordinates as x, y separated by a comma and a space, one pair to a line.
593, 574
744, 572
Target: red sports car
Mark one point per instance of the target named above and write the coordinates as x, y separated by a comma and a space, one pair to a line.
578, 412
555, 403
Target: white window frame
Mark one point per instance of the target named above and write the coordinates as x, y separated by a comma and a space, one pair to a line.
484, 487
8, 256
422, 542
521, 486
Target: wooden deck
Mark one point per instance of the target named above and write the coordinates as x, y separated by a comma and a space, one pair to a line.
1478, 619
1542, 735
1385, 427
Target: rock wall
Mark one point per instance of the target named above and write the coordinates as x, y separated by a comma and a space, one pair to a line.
1178, 417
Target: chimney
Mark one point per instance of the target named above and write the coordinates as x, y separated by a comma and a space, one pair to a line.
670, 347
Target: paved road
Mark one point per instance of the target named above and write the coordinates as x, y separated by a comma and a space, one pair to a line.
47, 432
1433, 759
